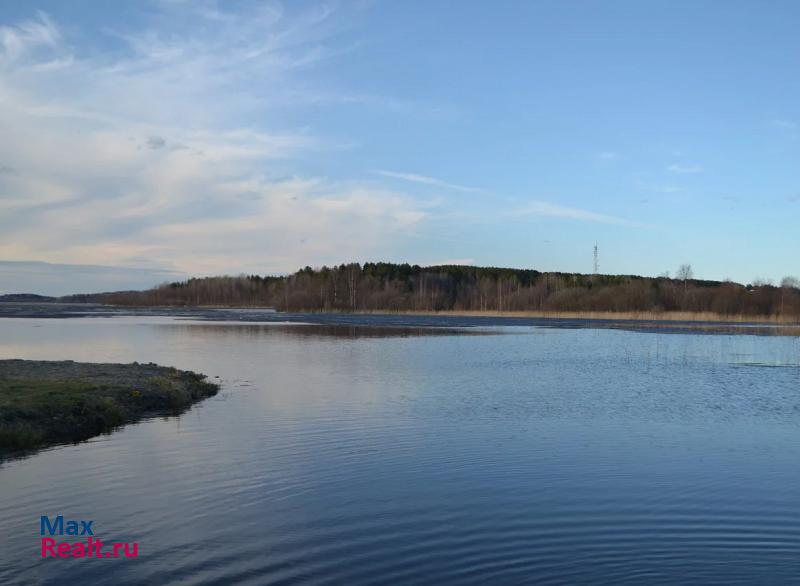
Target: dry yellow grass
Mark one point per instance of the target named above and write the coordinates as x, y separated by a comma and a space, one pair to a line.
618, 315
665, 316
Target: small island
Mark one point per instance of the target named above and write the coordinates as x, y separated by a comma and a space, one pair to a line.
44, 403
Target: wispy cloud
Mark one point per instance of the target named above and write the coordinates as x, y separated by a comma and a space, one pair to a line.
666, 189
783, 124
684, 169
155, 142
25, 38
425, 180
545, 208
786, 127
152, 153
606, 156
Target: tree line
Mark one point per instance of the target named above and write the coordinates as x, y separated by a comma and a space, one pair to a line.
403, 287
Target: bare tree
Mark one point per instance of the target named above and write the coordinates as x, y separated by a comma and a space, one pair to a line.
392, 287
685, 274
790, 283
787, 284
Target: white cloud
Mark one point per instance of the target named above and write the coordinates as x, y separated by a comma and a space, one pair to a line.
424, 180
153, 156
788, 128
25, 38
545, 208
684, 169
607, 156
160, 155
783, 124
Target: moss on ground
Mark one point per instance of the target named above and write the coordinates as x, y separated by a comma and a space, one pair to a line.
49, 403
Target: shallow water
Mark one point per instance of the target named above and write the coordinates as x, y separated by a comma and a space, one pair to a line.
359, 452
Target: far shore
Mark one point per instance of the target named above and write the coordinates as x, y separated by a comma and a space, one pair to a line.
669, 316
642, 316
612, 315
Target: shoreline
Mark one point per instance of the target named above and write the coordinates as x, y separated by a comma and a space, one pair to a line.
644, 316
600, 316
47, 403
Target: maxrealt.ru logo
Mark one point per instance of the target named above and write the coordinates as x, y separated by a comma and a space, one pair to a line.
91, 547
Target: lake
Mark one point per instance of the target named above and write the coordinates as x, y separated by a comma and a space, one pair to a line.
386, 450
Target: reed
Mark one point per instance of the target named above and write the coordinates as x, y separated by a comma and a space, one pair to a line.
667, 316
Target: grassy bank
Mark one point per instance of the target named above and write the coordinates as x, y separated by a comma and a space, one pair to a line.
46, 403
656, 316
666, 316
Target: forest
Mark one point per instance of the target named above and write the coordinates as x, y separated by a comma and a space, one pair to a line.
402, 287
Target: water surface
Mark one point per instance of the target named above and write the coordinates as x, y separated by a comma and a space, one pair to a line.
378, 451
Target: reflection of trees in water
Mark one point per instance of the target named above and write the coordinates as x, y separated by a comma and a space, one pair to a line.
325, 330
357, 331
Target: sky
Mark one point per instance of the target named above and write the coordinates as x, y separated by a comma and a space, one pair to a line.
146, 141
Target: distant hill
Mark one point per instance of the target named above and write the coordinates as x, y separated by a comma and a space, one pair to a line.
26, 298
76, 298
89, 297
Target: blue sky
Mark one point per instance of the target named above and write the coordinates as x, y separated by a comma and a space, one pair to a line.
195, 138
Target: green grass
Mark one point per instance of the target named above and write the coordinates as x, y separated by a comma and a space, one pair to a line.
39, 412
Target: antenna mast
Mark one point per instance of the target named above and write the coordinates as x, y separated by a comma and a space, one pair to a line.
596, 260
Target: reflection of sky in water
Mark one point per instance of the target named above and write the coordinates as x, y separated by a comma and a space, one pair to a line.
339, 455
